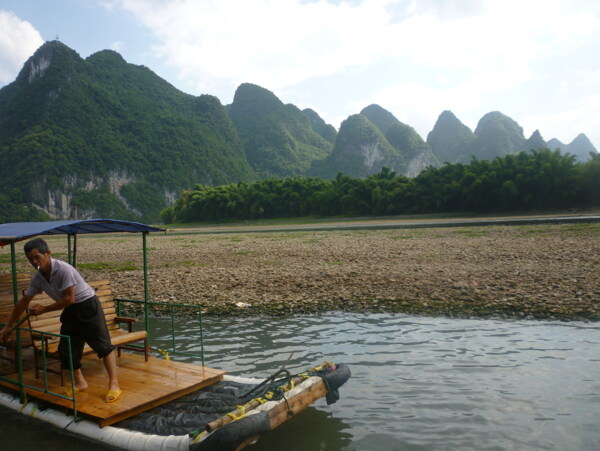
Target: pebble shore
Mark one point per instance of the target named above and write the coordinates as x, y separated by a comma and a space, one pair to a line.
535, 272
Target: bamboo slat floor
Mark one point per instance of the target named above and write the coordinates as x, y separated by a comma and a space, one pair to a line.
145, 385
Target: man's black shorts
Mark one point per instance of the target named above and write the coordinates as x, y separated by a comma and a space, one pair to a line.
84, 322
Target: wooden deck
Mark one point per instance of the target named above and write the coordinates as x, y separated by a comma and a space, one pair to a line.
145, 385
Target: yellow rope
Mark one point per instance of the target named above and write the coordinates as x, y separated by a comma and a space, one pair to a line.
199, 436
165, 353
242, 413
268, 396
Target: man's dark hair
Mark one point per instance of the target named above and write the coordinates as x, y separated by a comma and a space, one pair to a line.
36, 243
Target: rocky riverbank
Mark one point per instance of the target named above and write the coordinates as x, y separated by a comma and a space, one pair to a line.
542, 271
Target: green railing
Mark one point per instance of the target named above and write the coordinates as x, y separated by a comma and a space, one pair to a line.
20, 382
174, 311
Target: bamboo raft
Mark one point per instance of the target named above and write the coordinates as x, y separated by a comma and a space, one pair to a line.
152, 384
149, 387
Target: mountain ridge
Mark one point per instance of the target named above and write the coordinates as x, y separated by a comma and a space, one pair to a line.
102, 137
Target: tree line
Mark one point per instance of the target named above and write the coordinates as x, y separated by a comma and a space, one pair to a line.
528, 181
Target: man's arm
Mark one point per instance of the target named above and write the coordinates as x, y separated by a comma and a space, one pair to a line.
67, 299
18, 309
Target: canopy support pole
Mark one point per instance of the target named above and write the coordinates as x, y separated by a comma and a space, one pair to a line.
74, 264
69, 254
13, 264
146, 291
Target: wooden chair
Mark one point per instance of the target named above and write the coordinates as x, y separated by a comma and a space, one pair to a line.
50, 322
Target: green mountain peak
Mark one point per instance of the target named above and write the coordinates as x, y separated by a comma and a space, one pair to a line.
278, 139
380, 117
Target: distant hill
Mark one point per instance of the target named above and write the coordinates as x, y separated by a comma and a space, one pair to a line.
450, 140
581, 147
416, 153
360, 149
380, 118
101, 137
496, 135
535, 141
279, 140
374, 139
327, 131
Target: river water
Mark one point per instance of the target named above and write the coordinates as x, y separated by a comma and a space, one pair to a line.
417, 383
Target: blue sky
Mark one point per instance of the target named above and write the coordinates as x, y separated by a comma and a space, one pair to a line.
535, 61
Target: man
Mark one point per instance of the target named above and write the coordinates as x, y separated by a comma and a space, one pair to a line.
82, 316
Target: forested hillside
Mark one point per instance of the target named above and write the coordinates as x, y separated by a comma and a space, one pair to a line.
535, 180
374, 139
104, 137
101, 137
279, 139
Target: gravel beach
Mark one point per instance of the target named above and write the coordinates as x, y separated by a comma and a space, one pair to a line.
538, 272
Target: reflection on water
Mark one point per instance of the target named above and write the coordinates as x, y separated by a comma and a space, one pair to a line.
417, 383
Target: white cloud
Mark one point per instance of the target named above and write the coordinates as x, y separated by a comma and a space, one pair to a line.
275, 43
117, 46
280, 43
474, 50
18, 41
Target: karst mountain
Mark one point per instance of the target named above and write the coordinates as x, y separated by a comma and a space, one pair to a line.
101, 137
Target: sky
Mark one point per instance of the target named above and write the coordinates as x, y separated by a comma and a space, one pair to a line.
537, 62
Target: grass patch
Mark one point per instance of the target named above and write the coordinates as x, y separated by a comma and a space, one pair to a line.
286, 236
583, 229
335, 263
401, 237
244, 253
469, 232
312, 241
538, 231
111, 267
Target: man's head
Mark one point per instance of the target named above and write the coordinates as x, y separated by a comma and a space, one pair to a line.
37, 253
36, 243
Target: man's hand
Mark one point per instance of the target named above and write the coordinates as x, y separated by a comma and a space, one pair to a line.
37, 309
4, 333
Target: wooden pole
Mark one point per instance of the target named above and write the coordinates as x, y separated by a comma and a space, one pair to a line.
75, 250
241, 411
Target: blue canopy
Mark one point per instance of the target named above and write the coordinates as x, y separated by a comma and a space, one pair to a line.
17, 231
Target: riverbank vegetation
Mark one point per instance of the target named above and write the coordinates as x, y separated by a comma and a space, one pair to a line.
537, 180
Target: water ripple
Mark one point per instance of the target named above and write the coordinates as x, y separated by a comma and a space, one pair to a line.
423, 383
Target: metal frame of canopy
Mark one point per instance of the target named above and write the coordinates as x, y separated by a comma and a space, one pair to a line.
11, 233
